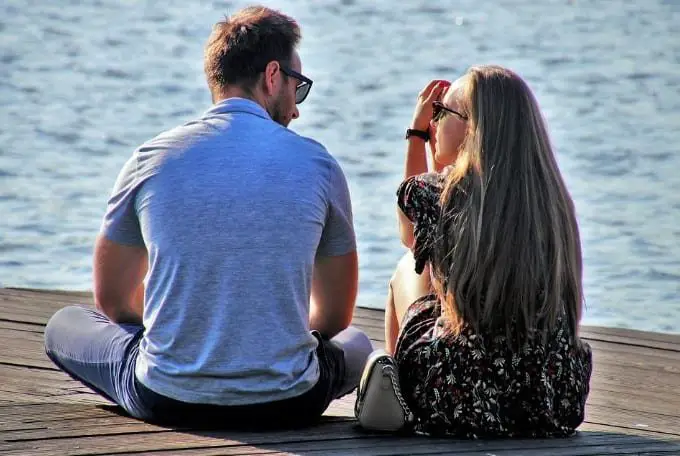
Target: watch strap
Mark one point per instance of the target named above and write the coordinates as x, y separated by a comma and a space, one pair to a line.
424, 135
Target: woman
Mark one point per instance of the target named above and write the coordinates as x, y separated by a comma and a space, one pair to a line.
490, 299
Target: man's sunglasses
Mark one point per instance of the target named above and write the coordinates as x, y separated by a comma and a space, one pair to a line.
303, 87
439, 111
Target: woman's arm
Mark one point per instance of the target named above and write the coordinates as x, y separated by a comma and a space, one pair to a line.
416, 158
405, 230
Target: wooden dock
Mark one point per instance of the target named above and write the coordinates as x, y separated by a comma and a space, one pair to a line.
633, 408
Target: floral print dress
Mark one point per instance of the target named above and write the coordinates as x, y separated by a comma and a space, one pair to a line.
475, 385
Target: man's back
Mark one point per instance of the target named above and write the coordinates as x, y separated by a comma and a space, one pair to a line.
233, 209
243, 232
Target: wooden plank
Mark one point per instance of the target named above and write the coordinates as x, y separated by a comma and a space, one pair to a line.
632, 334
17, 326
171, 440
30, 337
325, 438
658, 365
15, 415
620, 379
20, 311
659, 453
624, 418
28, 302
611, 430
615, 349
30, 357
45, 297
634, 401
44, 383
49, 294
37, 363
30, 374
393, 445
606, 450
24, 318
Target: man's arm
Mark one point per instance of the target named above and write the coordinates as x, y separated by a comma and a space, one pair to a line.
334, 291
119, 272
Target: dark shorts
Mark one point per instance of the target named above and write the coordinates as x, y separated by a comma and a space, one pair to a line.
298, 411
103, 355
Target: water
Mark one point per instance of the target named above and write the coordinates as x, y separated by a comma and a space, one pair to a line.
82, 84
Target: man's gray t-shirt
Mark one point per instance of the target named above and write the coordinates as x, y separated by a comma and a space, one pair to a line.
233, 209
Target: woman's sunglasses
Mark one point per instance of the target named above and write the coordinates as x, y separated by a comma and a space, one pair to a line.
303, 87
439, 111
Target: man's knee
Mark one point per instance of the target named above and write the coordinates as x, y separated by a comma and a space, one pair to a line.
354, 341
59, 326
356, 347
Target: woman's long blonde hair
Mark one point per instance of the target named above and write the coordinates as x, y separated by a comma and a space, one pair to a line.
507, 257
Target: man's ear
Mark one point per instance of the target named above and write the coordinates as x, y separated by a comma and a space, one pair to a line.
272, 77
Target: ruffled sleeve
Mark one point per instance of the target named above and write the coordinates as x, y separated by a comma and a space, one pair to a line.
418, 198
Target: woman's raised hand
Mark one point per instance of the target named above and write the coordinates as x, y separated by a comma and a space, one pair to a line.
423, 112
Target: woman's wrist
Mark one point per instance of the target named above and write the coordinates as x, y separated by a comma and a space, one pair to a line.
415, 125
413, 133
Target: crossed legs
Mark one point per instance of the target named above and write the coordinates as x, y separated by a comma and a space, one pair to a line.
102, 355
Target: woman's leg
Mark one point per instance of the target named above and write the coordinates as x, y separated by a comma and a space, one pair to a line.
405, 287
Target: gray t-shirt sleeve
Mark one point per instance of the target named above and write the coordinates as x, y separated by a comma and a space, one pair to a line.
121, 223
338, 236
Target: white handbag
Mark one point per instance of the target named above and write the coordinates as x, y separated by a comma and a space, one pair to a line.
380, 405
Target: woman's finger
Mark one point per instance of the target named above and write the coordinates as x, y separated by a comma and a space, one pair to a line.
425, 93
438, 90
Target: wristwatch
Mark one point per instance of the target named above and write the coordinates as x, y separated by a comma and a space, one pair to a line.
424, 135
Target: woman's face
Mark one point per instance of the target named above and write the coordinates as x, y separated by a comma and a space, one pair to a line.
450, 127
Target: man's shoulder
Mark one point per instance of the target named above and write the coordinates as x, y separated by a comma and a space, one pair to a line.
304, 142
174, 139
310, 148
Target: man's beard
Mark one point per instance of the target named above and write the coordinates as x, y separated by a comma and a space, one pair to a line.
277, 112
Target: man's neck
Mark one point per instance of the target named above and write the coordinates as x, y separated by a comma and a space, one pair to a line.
238, 92
255, 96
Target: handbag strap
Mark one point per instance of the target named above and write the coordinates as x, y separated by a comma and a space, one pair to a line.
397, 392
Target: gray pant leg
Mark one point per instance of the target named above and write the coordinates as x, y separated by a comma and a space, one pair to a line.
357, 347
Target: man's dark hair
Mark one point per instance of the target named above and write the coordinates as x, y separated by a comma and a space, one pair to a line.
241, 46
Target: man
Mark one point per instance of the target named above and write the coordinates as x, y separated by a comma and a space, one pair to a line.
235, 221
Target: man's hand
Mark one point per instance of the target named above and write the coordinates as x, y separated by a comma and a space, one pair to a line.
119, 272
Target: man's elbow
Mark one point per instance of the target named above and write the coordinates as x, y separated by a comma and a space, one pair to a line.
345, 322
103, 306
336, 327
338, 321
108, 304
